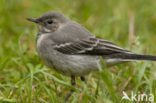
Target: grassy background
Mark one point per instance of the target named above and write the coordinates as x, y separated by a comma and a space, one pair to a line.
25, 79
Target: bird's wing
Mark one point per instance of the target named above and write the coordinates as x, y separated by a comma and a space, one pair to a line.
90, 46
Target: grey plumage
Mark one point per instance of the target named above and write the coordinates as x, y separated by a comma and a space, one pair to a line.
72, 50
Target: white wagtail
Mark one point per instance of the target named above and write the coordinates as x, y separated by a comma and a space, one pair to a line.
72, 50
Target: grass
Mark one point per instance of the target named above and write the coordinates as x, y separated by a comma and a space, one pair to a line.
25, 79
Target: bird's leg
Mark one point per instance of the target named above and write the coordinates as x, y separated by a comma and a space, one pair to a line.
82, 78
73, 83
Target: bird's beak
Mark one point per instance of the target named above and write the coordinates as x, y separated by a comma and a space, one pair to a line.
33, 20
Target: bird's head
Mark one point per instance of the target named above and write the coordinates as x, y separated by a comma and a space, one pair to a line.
50, 21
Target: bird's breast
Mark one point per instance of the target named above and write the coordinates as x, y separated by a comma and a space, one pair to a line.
40, 38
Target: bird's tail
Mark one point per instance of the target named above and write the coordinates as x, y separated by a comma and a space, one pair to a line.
132, 57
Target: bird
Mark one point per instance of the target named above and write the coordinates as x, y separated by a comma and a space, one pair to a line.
70, 49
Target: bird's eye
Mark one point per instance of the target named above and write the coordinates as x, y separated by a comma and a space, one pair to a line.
49, 21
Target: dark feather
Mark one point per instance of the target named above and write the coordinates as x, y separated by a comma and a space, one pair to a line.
90, 46
130, 57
